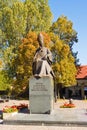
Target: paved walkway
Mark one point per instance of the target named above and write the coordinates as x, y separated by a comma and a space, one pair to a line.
11, 127
79, 113
78, 103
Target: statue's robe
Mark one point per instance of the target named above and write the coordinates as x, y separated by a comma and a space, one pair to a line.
42, 61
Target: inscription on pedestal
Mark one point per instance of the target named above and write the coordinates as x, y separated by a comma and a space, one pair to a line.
39, 87
41, 95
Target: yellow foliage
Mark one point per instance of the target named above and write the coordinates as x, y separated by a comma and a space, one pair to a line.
32, 38
57, 43
46, 39
65, 50
27, 50
63, 66
25, 40
0, 63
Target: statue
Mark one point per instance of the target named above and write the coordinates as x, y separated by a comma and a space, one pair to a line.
42, 60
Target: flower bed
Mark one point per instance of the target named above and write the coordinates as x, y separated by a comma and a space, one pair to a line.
67, 105
14, 108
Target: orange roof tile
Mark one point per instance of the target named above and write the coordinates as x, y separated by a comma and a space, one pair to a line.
82, 73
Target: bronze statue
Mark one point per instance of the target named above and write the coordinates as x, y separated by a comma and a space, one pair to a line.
42, 60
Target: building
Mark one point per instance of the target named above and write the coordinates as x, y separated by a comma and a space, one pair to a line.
82, 81
78, 91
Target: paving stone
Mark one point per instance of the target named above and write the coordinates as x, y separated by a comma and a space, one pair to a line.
60, 119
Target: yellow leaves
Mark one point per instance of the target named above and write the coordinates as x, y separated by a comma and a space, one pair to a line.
57, 43
0, 16
68, 71
46, 39
56, 67
65, 50
64, 25
32, 35
7, 11
25, 40
26, 53
30, 51
32, 38
65, 69
64, 66
38, 15
1, 63
64, 29
29, 43
18, 7
71, 58
20, 69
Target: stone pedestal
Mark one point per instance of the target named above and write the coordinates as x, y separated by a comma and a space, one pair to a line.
41, 95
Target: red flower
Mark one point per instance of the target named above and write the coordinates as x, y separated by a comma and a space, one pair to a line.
67, 105
13, 108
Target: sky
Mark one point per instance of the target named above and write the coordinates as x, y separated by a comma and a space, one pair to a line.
76, 11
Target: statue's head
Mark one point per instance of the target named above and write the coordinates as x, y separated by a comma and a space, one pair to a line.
40, 40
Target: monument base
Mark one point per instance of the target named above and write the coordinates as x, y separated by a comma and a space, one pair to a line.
41, 95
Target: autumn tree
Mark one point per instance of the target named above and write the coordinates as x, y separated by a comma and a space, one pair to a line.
12, 29
64, 29
17, 18
63, 66
5, 83
39, 16
26, 51
21, 20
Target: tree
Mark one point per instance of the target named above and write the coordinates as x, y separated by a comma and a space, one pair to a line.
39, 16
4, 81
63, 66
17, 18
12, 28
25, 56
22, 21
64, 29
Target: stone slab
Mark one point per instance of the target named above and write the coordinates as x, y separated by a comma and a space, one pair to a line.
68, 117
41, 95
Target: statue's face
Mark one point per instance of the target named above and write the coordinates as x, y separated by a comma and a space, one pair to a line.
40, 40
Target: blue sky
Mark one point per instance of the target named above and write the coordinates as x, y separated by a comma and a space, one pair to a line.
76, 11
